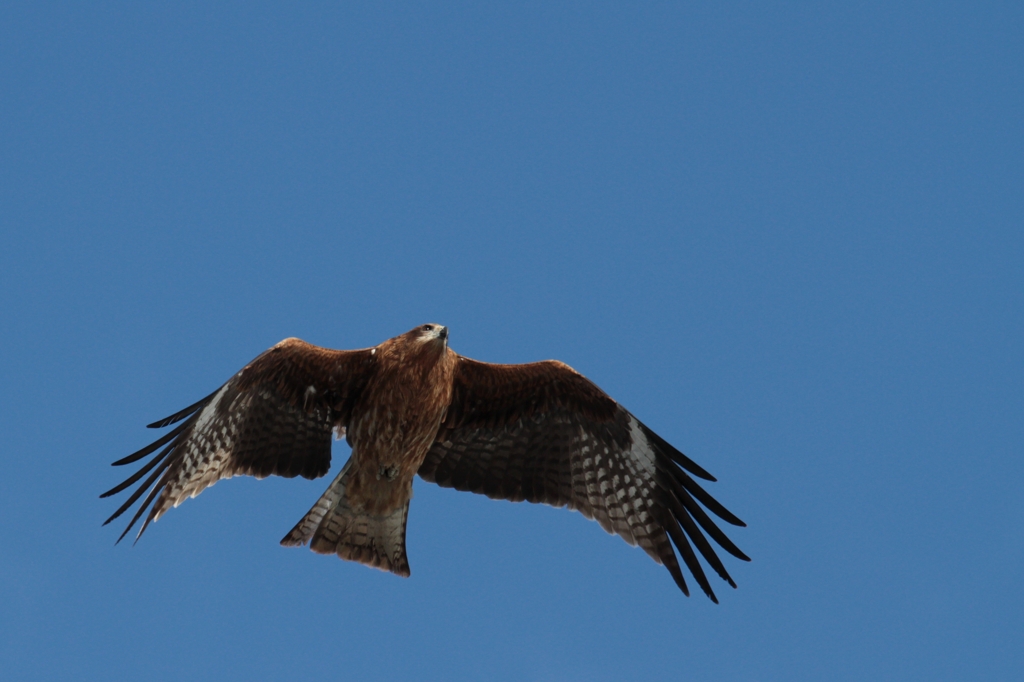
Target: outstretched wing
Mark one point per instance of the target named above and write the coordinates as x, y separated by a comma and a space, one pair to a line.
542, 432
274, 417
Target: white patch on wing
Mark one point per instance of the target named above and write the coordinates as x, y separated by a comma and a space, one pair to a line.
641, 451
207, 414
617, 486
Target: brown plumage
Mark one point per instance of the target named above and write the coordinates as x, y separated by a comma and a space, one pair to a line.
539, 432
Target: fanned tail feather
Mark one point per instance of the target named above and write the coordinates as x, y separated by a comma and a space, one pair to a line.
333, 527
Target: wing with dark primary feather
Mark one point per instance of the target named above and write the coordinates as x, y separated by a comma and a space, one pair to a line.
542, 432
274, 417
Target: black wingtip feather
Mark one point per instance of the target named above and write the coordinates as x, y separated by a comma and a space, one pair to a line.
677, 575
683, 461
708, 525
679, 485
162, 459
181, 414
705, 498
139, 491
689, 558
142, 508
705, 548
138, 474
139, 454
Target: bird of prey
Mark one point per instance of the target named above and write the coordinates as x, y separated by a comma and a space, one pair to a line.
539, 432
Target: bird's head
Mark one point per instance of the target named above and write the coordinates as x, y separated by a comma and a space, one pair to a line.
428, 343
431, 333
425, 343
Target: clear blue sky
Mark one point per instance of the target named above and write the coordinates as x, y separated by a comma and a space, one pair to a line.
787, 236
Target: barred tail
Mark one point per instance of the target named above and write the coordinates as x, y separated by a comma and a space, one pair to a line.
333, 527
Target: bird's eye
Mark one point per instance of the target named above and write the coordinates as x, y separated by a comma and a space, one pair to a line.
427, 327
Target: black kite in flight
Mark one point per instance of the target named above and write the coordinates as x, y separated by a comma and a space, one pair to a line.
539, 432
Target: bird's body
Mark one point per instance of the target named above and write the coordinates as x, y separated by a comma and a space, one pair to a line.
395, 421
539, 432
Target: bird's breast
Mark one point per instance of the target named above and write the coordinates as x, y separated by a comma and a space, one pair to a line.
395, 423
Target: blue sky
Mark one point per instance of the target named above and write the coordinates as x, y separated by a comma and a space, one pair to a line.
786, 236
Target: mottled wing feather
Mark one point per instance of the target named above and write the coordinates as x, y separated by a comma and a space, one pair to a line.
544, 433
274, 417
